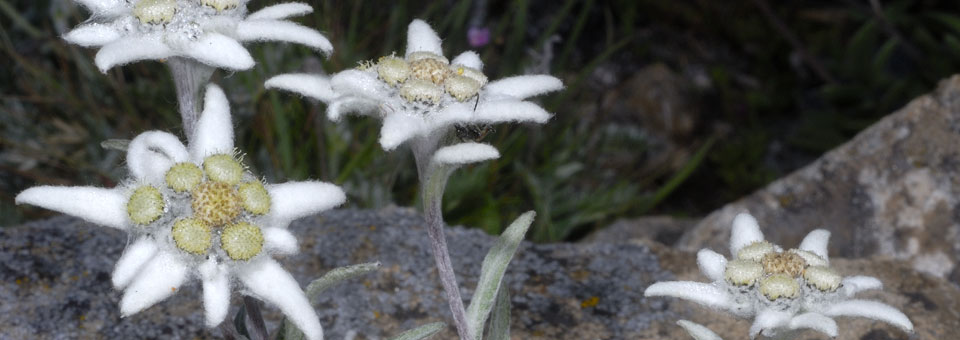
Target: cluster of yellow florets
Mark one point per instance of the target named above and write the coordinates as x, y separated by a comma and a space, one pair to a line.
779, 274
155, 11
220, 200
220, 5
425, 77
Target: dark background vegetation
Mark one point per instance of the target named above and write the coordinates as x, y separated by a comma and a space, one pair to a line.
671, 107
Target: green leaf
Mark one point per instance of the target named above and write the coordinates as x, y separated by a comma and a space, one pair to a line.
491, 273
422, 332
115, 144
500, 316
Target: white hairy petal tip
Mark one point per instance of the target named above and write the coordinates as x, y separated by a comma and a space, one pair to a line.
698, 331
266, 280
744, 232
216, 292
280, 30
711, 264
768, 320
132, 261
90, 35
151, 153
103, 7
106, 207
128, 50
219, 51
279, 240
815, 321
510, 111
701, 293
158, 280
816, 242
855, 284
398, 128
465, 153
281, 11
357, 83
871, 310
422, 38
213, 133
468, 59
522, 87
313, 86
293, 200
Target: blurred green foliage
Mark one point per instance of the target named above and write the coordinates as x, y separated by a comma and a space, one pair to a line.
761, 111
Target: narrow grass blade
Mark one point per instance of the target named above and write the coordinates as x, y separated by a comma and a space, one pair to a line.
491, 273
422, 332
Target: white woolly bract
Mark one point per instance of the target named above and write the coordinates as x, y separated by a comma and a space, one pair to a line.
132, 260
522, 87
279, 240
293, 200
510, 111
767, 320
745, 231
106, 207
151, 153
855, 284
281, 11
711, 264
357, 83
159, 279
816, 242
91, 35
313, 86
280, 30
214, 131
127, 50
697, 331
702, 293
465, 153
871, 310
398, 128
267, 281
468, 59
219, 51
422, 38
814, 321
216, 292
102, 7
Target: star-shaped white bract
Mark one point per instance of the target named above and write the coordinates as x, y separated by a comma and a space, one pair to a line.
784, 291
208, 31
422, 93
195, 212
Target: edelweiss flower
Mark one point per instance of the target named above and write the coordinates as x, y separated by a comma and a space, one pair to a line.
784, 290
208, 31
422, 93
195, 212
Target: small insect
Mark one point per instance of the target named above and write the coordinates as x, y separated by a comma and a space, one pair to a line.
473, 132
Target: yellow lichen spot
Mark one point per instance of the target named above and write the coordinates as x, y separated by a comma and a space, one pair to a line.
220, 5
461, 87
183, 176
591, 302
783, 263
393, 70
742, 272
822, 277
811, 258
755, 251
155, 11
223, 168
215, 203
145, 205
242, 241
192, 236
430, 70
779, 285
255, 197
421, 91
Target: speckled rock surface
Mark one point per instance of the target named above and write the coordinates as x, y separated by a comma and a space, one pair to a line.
54, 282
931, 303
892, 191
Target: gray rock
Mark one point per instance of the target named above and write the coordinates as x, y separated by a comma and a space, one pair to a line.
891, 191
54, 282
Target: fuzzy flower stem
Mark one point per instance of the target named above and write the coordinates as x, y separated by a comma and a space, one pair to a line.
433, 181
189, 77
